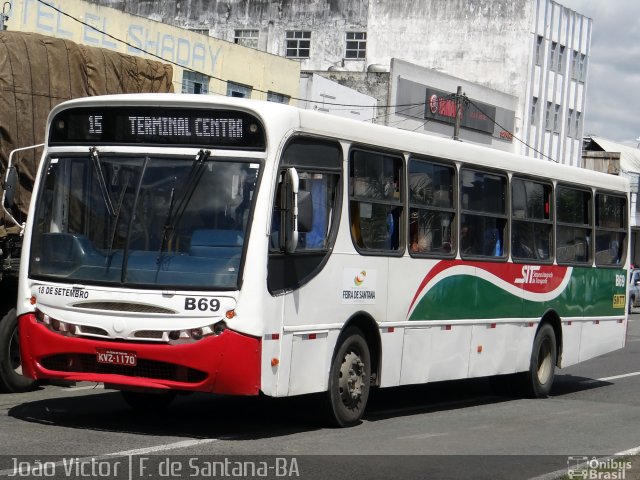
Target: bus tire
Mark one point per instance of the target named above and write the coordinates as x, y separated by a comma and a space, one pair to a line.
145, 402
11, 378
349, 379
538, 380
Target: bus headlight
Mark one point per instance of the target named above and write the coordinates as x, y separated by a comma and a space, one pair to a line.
219, 327
55, 325
43, 318
197, 333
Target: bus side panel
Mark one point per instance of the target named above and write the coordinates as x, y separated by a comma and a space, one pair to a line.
500, 348
433, 353
392, 341
309, 362
571, 336
274, 365
316, 314
601, 336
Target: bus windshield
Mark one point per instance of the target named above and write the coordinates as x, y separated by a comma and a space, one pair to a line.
155, 221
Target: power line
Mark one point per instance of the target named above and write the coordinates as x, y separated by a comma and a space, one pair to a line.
124, 42
468, 100
351, 106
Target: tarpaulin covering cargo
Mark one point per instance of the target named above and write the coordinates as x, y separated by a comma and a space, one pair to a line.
38, 72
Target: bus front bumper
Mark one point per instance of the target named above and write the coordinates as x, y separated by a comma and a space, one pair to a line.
228, 363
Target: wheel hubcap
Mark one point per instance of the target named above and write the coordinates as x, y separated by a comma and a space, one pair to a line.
352, 378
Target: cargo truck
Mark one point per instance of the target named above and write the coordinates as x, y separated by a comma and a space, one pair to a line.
37, 73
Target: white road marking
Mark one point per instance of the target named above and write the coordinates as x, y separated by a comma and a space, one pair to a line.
629, 453
97, 386
421, 436
161, 448
614, 377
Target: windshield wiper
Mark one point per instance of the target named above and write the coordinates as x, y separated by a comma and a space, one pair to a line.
93, 151
117, 218
173, 217
134, 207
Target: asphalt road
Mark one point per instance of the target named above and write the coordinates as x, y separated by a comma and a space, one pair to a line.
458, 429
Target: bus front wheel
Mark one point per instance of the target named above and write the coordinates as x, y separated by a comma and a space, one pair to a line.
11, 378
349, 379
538, 380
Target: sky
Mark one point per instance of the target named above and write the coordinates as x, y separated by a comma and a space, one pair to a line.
613, 84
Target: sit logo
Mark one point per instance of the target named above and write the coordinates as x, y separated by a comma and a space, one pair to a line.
528, 273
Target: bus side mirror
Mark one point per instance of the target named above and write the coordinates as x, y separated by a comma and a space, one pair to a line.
10, 184
10, 187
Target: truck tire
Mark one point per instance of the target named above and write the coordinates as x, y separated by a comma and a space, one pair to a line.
11, 379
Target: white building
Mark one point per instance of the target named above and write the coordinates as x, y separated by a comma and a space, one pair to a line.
616, 158
534, 50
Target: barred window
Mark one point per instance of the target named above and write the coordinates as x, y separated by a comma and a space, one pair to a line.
298, 44
534, 110
238, 90
560, 66
548, 119
193, 82
553, 56
278, 98
356, 45
246, 38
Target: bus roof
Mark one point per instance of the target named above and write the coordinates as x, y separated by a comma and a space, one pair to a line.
367, 134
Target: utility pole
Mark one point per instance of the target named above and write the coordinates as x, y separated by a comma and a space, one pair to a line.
456, 127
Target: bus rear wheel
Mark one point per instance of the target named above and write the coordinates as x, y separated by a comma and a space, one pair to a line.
349, 379
538, 380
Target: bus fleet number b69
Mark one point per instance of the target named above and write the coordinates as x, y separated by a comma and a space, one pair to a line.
202, 304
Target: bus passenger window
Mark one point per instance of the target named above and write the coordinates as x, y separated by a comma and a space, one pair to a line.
375, 207
432, 209
532, 222
483, 217
611, 229
573, 210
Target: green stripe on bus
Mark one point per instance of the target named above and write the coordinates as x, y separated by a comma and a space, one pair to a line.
470, 297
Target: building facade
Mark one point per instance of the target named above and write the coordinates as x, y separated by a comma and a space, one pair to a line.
201, 64
534, 50
615, 158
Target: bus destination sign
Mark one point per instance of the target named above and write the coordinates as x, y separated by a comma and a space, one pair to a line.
157, 126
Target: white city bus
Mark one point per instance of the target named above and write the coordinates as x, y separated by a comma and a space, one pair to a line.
195, 243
